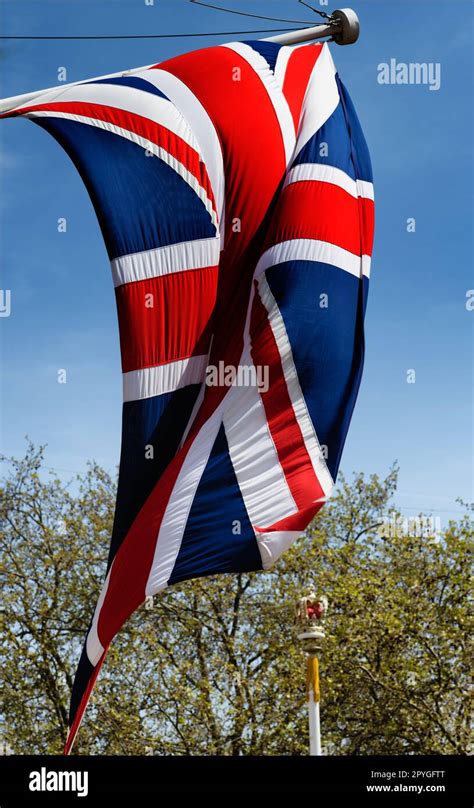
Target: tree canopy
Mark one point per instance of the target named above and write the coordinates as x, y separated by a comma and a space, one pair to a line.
213, 666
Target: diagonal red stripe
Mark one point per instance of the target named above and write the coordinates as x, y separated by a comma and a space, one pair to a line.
83, 704
283, 425
139, 125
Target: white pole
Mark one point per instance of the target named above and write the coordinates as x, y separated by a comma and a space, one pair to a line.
310, 614
344, 30
314, 728
305, 35
312, 680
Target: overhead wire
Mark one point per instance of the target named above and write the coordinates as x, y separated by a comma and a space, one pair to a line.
247, 13
181, 35
149, 36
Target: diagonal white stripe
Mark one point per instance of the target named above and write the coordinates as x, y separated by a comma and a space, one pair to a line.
321, 98
180, 257
278, 100
307, 249
129, 99
273, 545
159, 379
94, 647
294, 389
173, 526
262, 482
147, 145
202, 127
261, 479
282, 64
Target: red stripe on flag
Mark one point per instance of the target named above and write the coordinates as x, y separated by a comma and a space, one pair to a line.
166, 318
367, 223
82, 705
342, 220
139, 125
132, 563
284, 428
298, 72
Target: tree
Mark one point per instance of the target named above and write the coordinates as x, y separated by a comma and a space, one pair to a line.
212, 666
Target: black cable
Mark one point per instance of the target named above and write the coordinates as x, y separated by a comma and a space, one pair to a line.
246, 13
316, 11
156, 36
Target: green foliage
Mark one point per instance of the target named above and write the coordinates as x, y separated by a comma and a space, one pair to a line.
214, 666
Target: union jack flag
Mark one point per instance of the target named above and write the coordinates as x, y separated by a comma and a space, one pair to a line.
233, 187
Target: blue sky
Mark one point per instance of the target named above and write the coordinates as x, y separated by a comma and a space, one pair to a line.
63, 309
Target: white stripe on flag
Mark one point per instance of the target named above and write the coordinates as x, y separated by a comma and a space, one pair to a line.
129, 99
318, 172
202, 127
261, 479
159, 379
180, 257
94, 647
365, 189
321, 98
307, 249
278, 100
145, 144
273, 544
281, 64
262, 482
294, 389
175, 518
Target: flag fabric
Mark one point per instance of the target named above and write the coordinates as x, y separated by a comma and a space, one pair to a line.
233, 187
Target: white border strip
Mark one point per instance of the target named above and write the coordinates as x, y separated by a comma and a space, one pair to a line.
186, 255
261, 479
175, 518
321, 98
278, 100
294, 389
246, 428
94, 647
202, 127
365, 189
127, 99
319, 172
281, 64
272, 545
159, 379
146, 145
307, 249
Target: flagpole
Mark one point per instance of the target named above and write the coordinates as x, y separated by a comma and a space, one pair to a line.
312, 686
310, 612
342, 27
